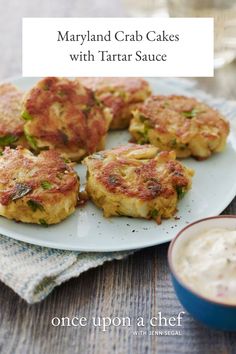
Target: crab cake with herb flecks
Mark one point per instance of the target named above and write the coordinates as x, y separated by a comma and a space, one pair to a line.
179, 123
39, 189
63, 115
11, 124
120, 94
137, 181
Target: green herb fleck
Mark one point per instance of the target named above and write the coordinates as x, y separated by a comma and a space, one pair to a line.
43, 148
180, 192
98, 101
8, 140
173, 143
32, 141
122, 94
143, 138
66, 160
34, 205
43, 222
46, 185
142, 118
86, 109
26, 116
144, 134
154, 213
191, 114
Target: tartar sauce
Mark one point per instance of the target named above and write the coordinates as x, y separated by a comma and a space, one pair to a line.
207, 264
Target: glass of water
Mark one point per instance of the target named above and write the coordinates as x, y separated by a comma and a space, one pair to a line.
224, 14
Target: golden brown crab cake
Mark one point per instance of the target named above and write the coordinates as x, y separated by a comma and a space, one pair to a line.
11, 125
120, 95
63, 115
39, 189
180, 123
137, 181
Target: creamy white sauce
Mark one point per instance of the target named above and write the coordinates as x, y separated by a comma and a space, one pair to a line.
207, 264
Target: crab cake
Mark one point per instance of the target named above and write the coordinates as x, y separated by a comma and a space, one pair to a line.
179, 123
63, 115
11, 125
121, 95
137, 180
39, 189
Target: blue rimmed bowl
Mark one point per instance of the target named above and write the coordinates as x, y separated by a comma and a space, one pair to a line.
217, 315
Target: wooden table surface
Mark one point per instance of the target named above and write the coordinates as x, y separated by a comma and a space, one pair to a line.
137, 286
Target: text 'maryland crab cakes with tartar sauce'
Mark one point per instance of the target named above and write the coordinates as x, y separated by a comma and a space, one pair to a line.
39, 189
137, 181
11, 124
120, 94
62, 114
180, 123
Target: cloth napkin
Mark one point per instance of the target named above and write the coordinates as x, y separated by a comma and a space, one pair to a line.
34, 271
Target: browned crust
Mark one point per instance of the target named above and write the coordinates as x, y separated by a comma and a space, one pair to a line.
146, 183
20, 169
65, 116
10, 111
168, 113
120, 95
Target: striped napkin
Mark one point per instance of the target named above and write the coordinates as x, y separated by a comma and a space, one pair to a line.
34, 271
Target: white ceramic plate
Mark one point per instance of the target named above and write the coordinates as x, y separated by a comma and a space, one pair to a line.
214, 186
